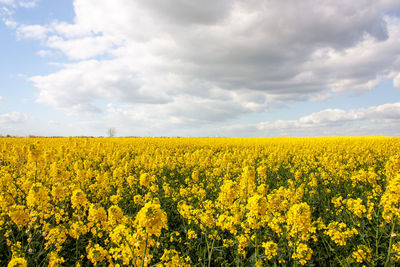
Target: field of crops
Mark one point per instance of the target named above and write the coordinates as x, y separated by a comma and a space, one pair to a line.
199, 201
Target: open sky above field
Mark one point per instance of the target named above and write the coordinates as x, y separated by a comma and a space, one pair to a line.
200, 68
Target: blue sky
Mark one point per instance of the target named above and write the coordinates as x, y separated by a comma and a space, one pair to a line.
179, 68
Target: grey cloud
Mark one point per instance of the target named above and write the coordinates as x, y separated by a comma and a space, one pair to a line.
204, 111
210, 61
189, 12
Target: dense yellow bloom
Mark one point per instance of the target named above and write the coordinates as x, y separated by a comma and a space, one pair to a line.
17, 262
114, 199
115, 215
271, 249
38, 196
256, 205
17, 259
152, 218
226, 201
229, 192
243, 242
56, 237
391, 200
97, 215
247, 182
55, 260
303, 253
58, 192
76, 229
145, 180
96, 254
339, 233
119, 233
78, 199
299, 222
19, 215
356, 206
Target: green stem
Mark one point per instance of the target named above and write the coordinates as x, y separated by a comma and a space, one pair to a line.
390, 245
35, 171
377, 241
205, 250
209, 250
330, 249
76, 249
256, 245
133, 256
145, 248
210, 253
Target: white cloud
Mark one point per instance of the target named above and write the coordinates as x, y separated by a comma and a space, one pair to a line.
10, 23
7, 2
376, 120
209, 62
21, 3
13, 117
37, 32
396, 81
140, 120
80, 48
28, 4
1, 98
44, 53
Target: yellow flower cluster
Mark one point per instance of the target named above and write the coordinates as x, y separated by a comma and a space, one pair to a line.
299, 222
356, 206
96, 254
339, 233
271, 249
362, 254
199, 201
171, 258
302, 253
17, 260
391, 200
152, 218
396, 252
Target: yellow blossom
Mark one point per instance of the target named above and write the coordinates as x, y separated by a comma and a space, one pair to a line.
271, 249
152, 218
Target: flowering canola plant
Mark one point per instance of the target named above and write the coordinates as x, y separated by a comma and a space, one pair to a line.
200, 201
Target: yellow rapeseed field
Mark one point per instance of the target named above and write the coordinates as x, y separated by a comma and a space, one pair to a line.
200, 201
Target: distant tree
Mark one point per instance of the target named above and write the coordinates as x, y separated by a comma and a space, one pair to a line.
111, 132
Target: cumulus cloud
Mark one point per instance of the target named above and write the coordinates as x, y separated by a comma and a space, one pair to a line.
13, 117
140, 120
210, 62
38, 32
375, 120
396, 81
